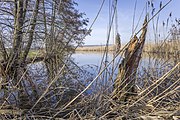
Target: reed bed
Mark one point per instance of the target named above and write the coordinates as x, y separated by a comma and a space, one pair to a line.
95, 48
166, 47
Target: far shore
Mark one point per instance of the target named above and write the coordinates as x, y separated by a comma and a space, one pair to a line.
95, 48
168, 48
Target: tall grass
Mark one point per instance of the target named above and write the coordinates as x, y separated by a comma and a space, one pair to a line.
166, 47
66, 96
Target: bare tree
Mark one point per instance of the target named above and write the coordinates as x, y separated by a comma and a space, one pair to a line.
55, 26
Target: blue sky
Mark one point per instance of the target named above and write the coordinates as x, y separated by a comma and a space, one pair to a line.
125, 18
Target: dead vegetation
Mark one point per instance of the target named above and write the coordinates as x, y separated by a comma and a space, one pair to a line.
57, 88
95, 48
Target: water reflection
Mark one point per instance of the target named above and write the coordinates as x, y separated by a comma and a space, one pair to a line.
154, 65
147, 61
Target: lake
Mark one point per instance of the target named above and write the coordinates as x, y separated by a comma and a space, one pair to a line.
90, 63
95, 58
154, 65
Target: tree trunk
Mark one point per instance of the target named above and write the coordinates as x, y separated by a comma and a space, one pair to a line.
125, 81
31, 32
50, 50
11, 67
3, 49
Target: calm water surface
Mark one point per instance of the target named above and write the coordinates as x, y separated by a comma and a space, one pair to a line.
94, 59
